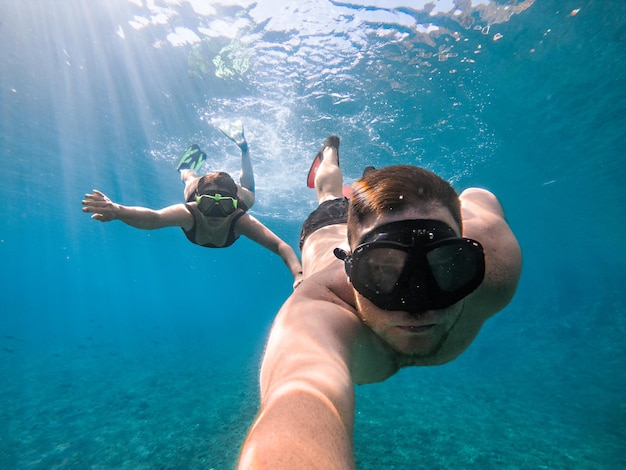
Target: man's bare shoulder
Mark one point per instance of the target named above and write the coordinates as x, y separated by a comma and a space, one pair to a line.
482, 200
328, 289
320, 318
317, 252
484, 221
310, 331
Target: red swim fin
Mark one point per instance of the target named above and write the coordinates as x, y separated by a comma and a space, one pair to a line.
331, 141
310, 179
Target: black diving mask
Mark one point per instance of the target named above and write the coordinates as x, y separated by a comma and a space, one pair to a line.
414, 265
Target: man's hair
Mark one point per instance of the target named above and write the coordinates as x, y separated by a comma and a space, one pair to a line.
397, 187
220, 180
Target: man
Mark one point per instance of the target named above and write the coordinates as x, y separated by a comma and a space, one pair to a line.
215, 214
407, 290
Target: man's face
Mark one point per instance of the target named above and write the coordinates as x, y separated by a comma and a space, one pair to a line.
413, 334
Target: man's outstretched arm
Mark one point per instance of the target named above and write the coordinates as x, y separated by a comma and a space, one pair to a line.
307, 395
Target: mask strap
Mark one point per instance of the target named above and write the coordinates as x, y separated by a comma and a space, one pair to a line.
345, 257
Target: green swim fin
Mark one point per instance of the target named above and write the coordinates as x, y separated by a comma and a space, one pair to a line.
192, 159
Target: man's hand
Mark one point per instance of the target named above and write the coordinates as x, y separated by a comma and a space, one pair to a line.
100, 205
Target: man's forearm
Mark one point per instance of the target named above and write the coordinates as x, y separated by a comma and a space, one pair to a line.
300, 429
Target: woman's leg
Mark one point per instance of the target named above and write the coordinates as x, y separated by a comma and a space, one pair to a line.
329, 179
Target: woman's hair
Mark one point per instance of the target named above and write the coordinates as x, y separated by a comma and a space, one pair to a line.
394, 188
218, 181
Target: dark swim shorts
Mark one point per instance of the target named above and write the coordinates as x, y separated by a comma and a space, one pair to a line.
330, 212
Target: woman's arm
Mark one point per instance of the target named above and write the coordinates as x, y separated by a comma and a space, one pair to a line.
105, 210
256, 231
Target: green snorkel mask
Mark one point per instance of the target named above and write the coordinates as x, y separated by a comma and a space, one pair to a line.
216, 205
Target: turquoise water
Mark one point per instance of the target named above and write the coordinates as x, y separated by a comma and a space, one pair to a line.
122, 348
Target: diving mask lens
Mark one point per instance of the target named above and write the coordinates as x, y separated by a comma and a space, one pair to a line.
378, 269
216, 205
456, 264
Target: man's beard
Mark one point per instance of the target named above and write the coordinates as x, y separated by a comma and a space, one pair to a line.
403, 359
